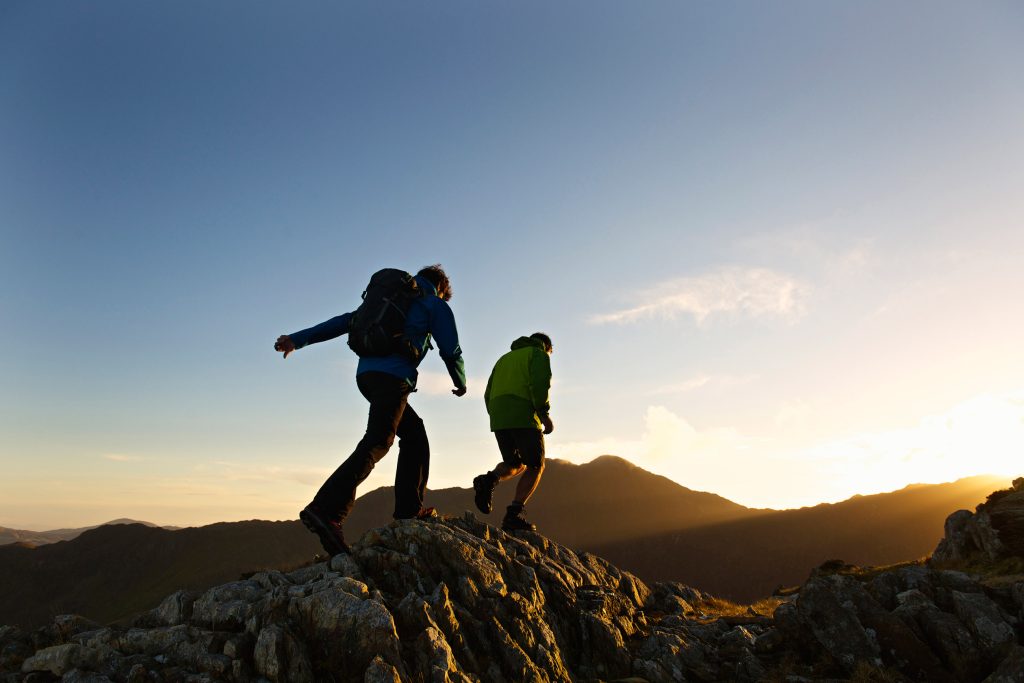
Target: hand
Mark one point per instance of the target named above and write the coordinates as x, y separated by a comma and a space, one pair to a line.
549, 426
459, 391
284, 344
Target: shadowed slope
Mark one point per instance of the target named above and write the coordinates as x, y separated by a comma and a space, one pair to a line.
642, 521
36, 538
748, 558
451, 599
112, 572
606, 500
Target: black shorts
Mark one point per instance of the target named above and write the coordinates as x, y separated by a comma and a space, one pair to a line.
521, 446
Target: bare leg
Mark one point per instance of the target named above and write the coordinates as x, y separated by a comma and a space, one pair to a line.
528, 483
504, 472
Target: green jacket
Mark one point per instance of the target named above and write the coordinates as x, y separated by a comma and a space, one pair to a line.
517, 390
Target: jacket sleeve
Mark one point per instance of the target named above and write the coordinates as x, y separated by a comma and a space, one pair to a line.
329, 329
540, 382
442, 327
487, 393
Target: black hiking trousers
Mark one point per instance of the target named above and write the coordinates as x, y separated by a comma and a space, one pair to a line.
390, 416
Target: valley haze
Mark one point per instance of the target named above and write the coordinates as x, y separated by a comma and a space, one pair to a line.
640, 521
33, 534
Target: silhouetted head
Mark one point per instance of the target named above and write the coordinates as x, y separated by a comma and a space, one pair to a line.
543, 339
436, 276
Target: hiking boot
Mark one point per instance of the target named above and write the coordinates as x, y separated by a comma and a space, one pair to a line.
423, 513
330, 533
484, 486
514, 521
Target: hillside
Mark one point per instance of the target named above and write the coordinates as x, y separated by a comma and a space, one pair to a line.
647, 524
748, 558
605, 500
37, 538
113, 572
458, 601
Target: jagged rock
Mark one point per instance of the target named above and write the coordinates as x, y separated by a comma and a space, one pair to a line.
60, 659
228, 607
673, 598
899, 645
15, 647
434, 657
1011, 670
345, 626
993, 532
834, 625
380, 671
458, 601
769, 641
963, 539
175, 609
944, 634
77, 676
1016, 594
1006, 511
279, 657
986, 623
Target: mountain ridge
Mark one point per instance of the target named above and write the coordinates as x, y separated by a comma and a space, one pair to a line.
581, 506
456, 600
37, 538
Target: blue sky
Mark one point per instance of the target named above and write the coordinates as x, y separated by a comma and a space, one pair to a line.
776, 244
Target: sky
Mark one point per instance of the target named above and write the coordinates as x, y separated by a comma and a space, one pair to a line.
777, 245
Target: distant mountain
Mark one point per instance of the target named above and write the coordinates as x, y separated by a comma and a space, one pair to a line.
37, 538
641, 521
606, 500
748, 558
114, 571
455, 600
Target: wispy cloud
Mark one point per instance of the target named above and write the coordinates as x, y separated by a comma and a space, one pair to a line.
753, 292
239, 471
667, 438
120, 457
983, 435
702, 381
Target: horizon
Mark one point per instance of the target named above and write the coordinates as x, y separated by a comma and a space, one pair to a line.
776, 246
996, 479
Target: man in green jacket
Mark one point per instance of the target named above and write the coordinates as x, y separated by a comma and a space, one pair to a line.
517, 402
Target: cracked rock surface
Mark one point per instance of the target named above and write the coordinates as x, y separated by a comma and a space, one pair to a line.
456, 600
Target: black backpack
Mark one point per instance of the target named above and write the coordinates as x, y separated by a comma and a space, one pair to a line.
377, 327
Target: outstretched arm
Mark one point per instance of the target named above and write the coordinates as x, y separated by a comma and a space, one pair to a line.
329, 329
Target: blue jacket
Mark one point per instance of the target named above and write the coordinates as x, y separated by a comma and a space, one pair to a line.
429, 316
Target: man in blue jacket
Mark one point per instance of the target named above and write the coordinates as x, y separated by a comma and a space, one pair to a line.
386, 382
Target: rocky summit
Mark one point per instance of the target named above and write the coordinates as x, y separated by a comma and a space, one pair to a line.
457, 600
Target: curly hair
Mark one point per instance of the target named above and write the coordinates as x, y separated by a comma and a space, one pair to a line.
436, 276
543, 339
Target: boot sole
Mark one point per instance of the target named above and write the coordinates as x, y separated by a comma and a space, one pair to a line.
479, 500
327, 539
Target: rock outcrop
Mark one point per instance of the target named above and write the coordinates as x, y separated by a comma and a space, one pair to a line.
455, 600
992, 533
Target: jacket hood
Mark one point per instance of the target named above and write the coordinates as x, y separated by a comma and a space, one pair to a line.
523, 342
426, 286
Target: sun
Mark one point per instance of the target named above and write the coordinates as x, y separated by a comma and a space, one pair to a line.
986, 434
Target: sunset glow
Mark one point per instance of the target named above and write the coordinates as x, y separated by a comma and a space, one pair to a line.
776, 245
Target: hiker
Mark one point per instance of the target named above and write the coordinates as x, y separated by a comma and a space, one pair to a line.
518, 405
386, 382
